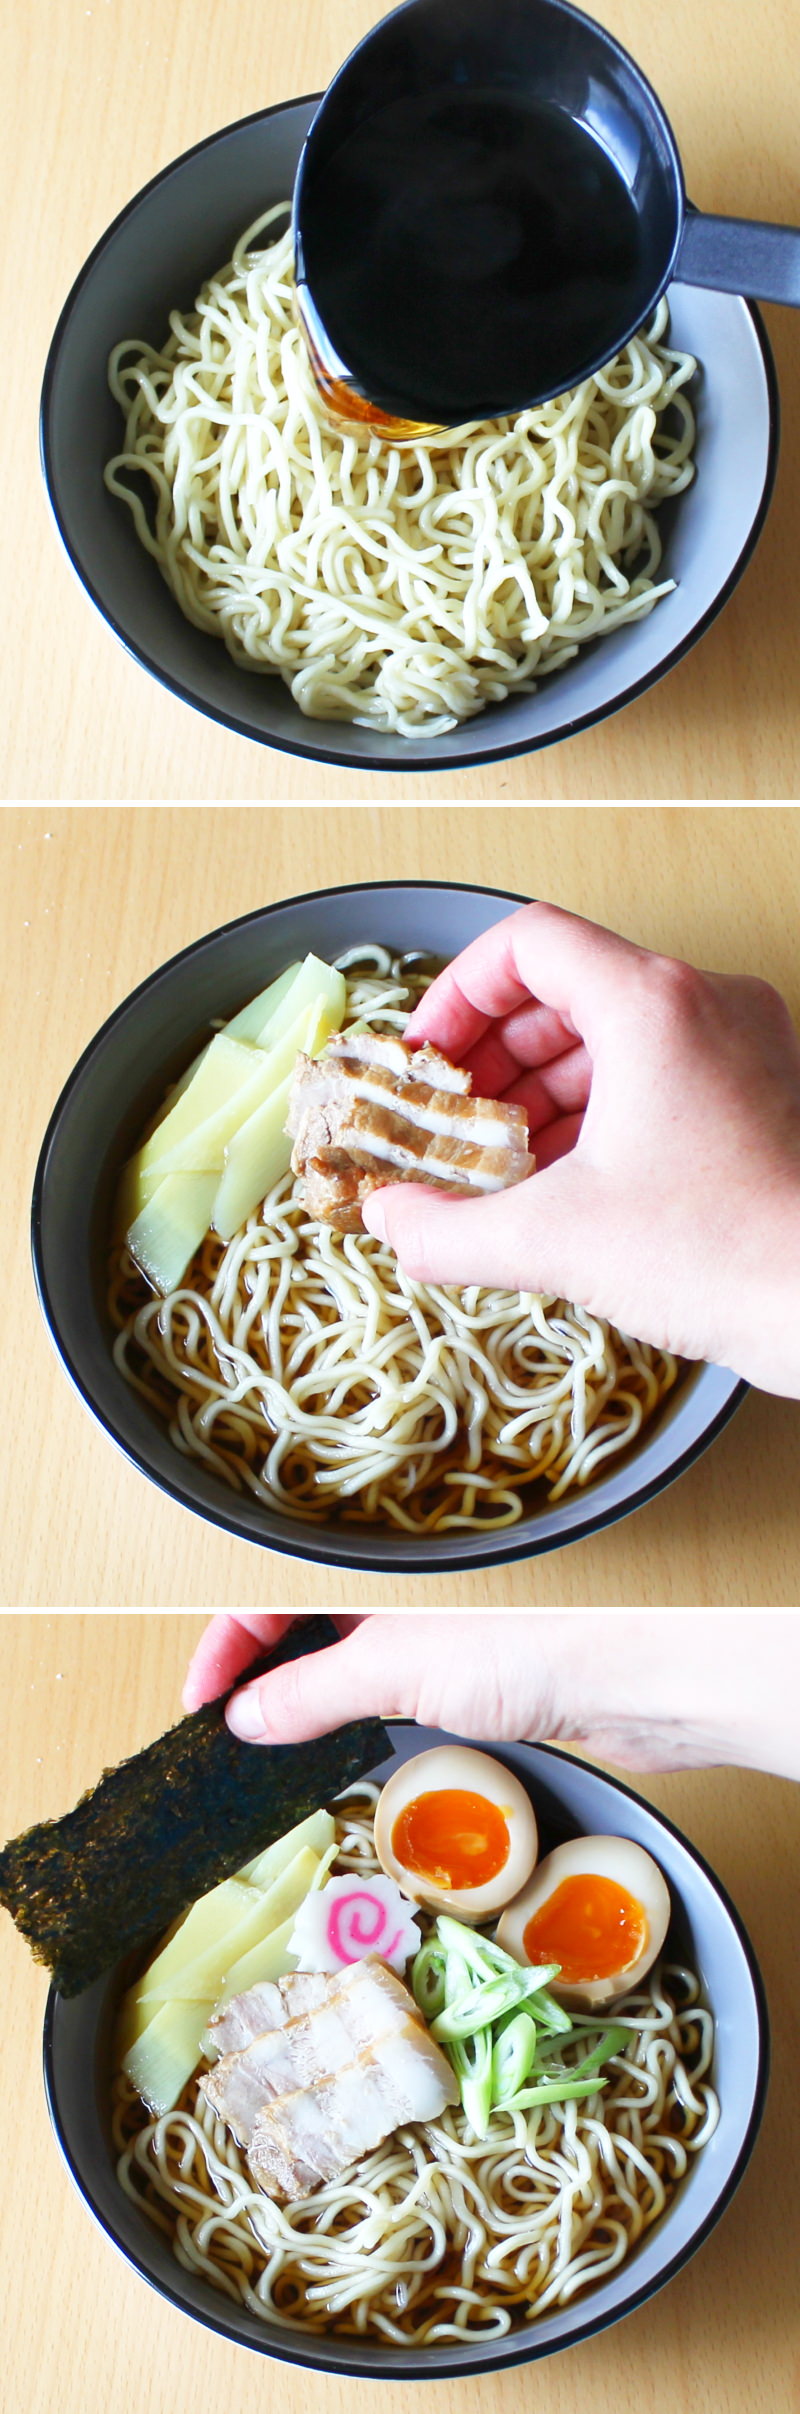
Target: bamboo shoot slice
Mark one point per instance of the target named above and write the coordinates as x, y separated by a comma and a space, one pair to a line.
255, 1019
227, 1067
179, 1086
189, 1966
260, 1151
225, 1063
203, 1148
160, 2062
208, 1981
244, 1917
134, 1188
318, 1831
164, 1236
192, 1136
205, 1921
314, 979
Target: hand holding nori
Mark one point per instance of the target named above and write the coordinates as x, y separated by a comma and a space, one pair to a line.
168, 1825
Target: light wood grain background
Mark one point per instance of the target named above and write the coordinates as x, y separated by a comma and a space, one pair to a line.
95, 99
90, 902
80, 2330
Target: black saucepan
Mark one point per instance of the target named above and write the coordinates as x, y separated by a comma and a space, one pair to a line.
489, 204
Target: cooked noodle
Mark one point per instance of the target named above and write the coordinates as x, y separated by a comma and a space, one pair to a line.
438, 2235
303, 1363
403, 588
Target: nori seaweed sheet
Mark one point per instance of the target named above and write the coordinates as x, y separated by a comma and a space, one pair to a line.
169, 1824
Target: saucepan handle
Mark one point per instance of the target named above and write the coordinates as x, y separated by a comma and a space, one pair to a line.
740, 255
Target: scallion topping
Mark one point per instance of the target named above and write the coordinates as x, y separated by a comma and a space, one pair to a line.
498, 2025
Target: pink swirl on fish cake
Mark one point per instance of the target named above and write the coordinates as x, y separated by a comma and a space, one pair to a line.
367, 1935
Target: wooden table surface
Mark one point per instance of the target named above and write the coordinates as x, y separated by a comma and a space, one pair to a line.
91, 902
96, 100
80, 2329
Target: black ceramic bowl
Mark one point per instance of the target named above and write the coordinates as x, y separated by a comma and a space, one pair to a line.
569, 1799
154, 257
118, 1082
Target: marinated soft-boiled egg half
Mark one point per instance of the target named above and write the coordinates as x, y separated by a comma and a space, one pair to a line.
457, 1831
600, 1907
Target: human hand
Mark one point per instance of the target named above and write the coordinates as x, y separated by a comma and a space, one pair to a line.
622, 1686
664, 1111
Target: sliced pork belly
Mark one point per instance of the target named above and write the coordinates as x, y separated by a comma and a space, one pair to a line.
330, 2080
267, 2005
346, 2010
382, 1051
271, 2004
300, 2140
358, 1120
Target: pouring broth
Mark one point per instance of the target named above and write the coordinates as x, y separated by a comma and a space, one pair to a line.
467, 235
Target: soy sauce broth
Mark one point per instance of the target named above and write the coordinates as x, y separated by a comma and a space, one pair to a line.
472, 248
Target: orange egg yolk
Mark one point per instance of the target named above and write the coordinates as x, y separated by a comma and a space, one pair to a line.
454, 1839
592, 1926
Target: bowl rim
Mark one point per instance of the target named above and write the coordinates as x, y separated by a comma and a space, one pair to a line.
592, 2324
301, 1542
300, 746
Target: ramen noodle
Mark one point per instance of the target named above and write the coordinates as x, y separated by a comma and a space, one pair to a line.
402, 587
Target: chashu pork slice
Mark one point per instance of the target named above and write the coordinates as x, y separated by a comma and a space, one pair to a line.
302, 2139
270, 2003
345, 2011
369, 1110
382, 1050
267, 2005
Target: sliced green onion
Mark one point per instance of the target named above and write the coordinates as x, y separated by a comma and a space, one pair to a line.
617, 2038
552, 2091
610, 2043
537, 1977
472, 2063
512, 2056
428, 1980
457, 1977
476, 2010
550, 2015
483, 1956
497, 2022
488, 1959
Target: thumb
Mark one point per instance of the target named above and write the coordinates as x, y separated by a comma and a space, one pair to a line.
536, 1236
371, 1673
226, 1647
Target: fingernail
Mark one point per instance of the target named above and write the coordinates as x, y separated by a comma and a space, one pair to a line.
244, 1718
374, 1216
